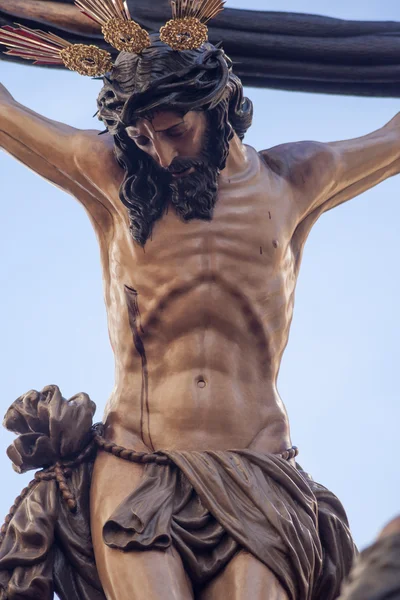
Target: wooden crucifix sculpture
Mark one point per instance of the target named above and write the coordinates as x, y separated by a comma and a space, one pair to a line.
189, 488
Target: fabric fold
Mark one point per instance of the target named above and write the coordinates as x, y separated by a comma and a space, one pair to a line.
46, 547
212, 504
208, 505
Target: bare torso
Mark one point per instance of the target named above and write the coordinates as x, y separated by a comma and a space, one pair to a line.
199, 320
200, 317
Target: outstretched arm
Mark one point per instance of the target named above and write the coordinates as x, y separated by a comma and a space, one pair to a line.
58, 14
323, 176
65, 156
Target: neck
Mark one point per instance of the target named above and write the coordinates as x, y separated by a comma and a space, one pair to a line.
237, 159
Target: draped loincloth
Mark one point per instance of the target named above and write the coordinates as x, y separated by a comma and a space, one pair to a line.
209, 505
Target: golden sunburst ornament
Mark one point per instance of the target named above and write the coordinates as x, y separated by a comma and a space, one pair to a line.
119, 30
87, 60
50, 49
187, 30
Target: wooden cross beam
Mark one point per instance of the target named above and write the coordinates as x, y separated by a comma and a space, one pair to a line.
289, 51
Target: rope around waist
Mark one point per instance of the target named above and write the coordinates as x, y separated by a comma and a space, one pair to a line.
158, 457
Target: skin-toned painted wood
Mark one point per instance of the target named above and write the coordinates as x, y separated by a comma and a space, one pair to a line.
215, 311
65, 16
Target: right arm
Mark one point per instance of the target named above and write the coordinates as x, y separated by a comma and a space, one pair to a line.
72, 159
57, 14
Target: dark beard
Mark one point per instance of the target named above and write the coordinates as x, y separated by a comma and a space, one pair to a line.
194, 196
148, 189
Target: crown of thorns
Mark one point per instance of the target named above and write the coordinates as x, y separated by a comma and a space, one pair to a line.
187, 30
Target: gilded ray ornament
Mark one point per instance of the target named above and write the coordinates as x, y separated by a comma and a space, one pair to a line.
50, 49
187, 29
118, 28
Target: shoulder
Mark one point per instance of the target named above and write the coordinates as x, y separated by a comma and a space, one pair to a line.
94, 157
301, 162
99, 178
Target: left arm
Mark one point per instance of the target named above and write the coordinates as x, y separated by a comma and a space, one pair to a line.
324, 175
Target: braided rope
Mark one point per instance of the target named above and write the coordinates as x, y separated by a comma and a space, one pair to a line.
61, 471
158, 458
142, 458
290, 453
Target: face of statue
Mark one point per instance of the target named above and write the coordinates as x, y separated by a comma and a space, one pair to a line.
172, 159
181, 147
169, 135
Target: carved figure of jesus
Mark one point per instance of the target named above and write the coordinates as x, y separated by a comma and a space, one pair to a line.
201, 240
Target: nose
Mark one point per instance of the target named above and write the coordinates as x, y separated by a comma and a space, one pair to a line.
165, 154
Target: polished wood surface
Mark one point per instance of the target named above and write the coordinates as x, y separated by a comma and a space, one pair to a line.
215, 302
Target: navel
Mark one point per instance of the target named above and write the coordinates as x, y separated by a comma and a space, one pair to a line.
201, 382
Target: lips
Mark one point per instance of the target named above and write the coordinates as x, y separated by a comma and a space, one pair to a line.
184, 173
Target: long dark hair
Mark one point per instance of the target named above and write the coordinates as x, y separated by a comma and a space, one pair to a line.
160, 78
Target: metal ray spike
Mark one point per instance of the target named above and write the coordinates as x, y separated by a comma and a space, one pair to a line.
108, 6
188, 29
31, 44
119, 7
52, 38
97, 9
204, 10
33, 41
127, 11
193, 7
209, 9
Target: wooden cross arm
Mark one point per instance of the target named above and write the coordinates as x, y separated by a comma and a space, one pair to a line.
54, 14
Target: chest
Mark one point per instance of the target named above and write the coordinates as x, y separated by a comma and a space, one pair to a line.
247, 241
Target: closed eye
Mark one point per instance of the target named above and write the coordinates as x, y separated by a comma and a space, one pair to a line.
175, 133
142, 140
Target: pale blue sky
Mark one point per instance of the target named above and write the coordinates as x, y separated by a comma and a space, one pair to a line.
339, 374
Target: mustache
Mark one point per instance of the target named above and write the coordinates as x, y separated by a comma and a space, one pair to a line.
180, 165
